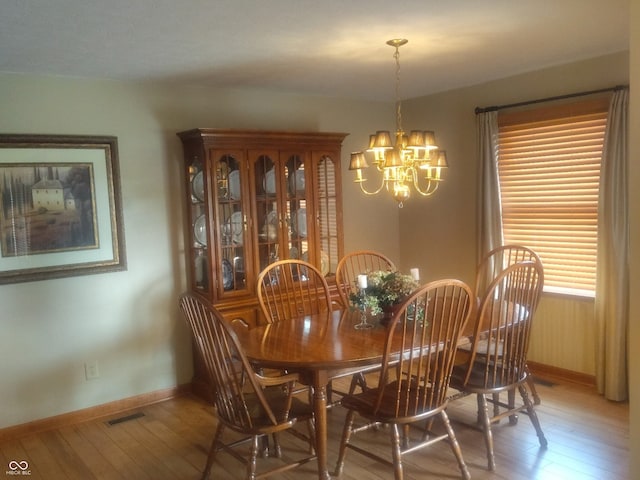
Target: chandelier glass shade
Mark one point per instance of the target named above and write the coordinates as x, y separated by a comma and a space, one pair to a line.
406, 163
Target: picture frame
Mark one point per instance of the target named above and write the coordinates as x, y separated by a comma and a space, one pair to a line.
60, 207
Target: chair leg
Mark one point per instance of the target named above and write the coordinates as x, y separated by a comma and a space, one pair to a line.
277, 450
405, 436
428, 427
212, 451
479, 416
263, 449
488, 436
496, 404
396, 452
532, 415
253, 460
312, 436
455, 446
358, 380
346, 435
532, 386
511, 395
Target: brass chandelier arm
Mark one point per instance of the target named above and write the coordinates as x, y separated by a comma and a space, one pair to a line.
432, 186
375, 192
429, 189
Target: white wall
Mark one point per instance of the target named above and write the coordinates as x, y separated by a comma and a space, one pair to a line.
128, 321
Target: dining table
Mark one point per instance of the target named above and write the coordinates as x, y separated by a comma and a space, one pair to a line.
319, 348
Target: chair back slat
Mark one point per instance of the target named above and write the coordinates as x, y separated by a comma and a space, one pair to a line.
292, 288
426, 329
354, 264
497, 260
229, 371
501, 339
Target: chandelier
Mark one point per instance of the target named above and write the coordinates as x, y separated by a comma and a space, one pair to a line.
413, 160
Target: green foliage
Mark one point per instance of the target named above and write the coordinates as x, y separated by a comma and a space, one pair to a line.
384, 289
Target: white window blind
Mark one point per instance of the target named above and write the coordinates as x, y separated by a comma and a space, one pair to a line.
549, 168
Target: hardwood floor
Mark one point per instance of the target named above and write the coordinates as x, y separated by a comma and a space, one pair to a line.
587, 435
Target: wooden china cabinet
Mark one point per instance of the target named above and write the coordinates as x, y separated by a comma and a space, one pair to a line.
255, 197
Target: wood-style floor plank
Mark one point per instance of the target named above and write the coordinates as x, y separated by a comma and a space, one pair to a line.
588, 440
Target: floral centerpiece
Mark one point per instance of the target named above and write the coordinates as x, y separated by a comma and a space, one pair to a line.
384, 290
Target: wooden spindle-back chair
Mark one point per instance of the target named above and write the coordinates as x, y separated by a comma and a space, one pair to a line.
246, 402
292, 288
357, 263
412, 386
498, 354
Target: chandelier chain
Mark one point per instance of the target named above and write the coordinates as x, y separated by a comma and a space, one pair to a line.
396, 55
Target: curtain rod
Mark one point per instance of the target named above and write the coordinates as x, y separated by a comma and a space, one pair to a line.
549, 99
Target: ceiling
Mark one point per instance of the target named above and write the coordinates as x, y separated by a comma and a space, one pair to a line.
318, 47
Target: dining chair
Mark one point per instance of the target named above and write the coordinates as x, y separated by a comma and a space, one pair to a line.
292, 288
494, 262
347, 271
412, 385
497, 357
354, 264
250, 404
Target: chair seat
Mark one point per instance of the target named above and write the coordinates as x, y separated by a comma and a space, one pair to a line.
411, 399
277, 397
477, 379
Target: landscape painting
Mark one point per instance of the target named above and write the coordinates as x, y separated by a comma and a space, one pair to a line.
60, 207
46, 208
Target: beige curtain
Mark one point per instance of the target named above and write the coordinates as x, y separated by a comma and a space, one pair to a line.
612, 277
489, 207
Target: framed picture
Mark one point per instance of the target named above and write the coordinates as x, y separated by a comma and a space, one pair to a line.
60, 207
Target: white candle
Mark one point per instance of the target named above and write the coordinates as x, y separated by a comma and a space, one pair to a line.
415, 274
362, 281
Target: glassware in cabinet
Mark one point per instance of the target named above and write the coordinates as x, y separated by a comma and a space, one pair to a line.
231, 226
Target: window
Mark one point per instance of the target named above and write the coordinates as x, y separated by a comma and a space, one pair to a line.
549, 169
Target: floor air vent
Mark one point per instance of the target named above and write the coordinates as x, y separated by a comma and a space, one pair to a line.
541, 381
126, 418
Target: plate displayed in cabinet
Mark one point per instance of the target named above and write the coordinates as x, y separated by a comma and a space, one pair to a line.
296, 182
269, 182
300, 222
237, 227
197, 186
324, 261
200, 230
227, 275
234, 185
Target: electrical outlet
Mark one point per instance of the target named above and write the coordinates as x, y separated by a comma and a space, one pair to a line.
91, 370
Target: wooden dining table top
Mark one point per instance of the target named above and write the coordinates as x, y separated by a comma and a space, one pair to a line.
327, 340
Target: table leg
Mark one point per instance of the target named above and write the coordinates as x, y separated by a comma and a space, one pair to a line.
320, 412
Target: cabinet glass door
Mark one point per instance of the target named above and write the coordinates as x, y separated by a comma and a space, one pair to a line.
198, 215
296, 214
231, 228
280, 183
268, 220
